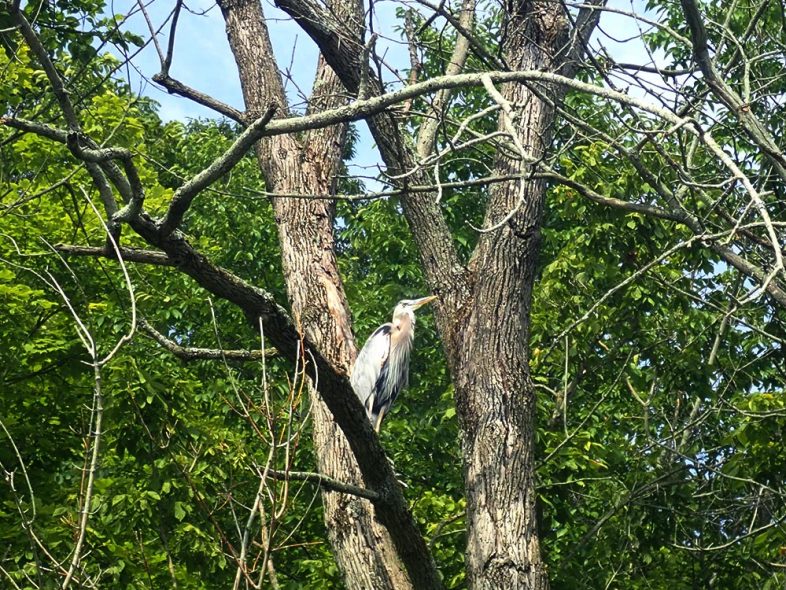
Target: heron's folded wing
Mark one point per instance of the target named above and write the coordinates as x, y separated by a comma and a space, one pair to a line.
371, 359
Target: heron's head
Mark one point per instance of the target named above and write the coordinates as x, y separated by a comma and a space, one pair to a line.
407, 307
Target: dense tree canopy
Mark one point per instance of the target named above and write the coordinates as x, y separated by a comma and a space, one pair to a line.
597, 401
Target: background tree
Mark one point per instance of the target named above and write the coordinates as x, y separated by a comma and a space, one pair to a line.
650, 329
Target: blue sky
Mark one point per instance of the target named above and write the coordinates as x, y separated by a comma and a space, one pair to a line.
204, 61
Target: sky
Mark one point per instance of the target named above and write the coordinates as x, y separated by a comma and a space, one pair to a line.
203, 59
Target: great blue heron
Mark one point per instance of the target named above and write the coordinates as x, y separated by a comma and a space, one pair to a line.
381, 370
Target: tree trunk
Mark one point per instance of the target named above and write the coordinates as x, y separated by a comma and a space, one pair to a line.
363, 549
483, 311
494, 394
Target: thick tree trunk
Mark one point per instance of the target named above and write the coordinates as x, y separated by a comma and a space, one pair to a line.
496, 408
483, 312
364, 551
494, 393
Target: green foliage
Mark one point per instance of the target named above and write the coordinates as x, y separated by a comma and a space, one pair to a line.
643, 482
651, 460
178, 459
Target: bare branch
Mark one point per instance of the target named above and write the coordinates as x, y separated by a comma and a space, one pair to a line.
184, 195
428, 130
325, 482
153, 32
96, 433
375, 105
757, 132
173, 86
128, 254
26, 521
170, 50
191, 353
752, 532
41, 129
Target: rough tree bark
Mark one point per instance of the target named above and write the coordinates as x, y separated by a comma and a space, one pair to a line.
496, 400
363, 549
483, 312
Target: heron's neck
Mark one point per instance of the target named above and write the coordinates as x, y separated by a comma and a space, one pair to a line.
403, 331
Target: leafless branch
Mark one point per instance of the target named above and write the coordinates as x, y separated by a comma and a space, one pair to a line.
428, 130
170, 50
326, 482
192, 353
175, 87
184, 195
87, 505
757, 132
128, 254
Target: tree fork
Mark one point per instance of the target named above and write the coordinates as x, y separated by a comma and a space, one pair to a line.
369, 555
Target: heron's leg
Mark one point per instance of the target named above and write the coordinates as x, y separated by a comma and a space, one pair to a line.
379, 419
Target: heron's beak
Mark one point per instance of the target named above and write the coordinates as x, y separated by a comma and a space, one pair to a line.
423, 301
